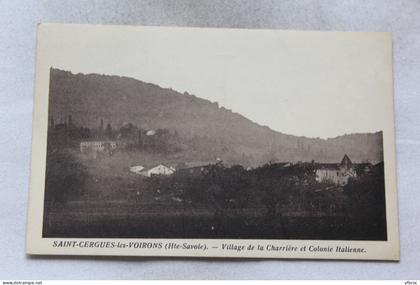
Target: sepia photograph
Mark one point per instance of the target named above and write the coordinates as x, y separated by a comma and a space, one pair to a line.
128, 158
214, 134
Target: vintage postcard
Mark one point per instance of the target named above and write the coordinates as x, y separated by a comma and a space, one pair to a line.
199, 142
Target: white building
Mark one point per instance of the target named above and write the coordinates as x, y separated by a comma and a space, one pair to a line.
150, 133
137, 169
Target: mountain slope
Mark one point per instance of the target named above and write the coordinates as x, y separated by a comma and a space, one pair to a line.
212, 130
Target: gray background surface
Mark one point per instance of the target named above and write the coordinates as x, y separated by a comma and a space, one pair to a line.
18, 21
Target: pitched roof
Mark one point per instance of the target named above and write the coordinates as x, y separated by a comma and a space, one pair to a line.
157, 165
346, 161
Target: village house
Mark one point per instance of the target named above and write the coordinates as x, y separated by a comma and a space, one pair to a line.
157, 170
337, 173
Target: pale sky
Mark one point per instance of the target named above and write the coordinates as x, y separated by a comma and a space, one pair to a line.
320, 84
